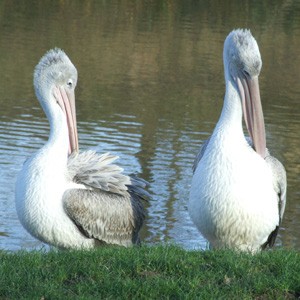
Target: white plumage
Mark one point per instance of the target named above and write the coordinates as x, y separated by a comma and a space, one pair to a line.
70, 199
238, 190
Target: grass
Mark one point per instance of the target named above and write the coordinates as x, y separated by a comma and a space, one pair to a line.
156, 272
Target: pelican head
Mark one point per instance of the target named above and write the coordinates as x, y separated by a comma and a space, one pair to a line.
242, 64
55, 79
242, 53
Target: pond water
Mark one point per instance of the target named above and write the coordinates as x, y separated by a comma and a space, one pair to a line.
150, 90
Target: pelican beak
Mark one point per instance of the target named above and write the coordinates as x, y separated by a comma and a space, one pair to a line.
252, 110
66, 100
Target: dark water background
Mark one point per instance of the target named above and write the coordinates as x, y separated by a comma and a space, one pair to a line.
150, 89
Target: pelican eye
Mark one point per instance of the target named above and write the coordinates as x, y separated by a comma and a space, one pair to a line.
246, 73
70, 83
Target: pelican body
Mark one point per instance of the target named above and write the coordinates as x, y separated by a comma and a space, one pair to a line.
238, 190
69, 199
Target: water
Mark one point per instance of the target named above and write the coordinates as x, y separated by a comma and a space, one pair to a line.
150, 90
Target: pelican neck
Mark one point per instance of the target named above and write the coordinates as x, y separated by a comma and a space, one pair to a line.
229, 125
58, 140
231, 115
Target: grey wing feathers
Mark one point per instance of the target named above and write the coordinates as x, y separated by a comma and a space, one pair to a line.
279, 182
280, 186
106, 217
96, 171
137, 188
110, 208
200, 154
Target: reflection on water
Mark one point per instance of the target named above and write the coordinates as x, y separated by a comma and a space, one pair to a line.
150, 90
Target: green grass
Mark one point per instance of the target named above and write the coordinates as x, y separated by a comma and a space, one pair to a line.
157, 272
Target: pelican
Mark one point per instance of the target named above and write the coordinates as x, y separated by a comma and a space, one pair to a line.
238, 191
68, 199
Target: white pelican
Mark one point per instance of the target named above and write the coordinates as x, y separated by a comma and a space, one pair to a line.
72, 200
238, 190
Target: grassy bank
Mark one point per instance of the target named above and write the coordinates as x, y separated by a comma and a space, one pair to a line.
149, 273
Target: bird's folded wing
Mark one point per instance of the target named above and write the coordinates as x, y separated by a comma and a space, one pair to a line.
279, 182
97, 171
109, 205
107, 217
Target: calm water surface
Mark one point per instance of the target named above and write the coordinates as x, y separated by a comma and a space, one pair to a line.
150, 90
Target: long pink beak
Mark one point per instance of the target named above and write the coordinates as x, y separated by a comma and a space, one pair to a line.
252, 110
66, 100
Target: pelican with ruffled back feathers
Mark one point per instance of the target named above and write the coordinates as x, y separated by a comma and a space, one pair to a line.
69, 199
238, 190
